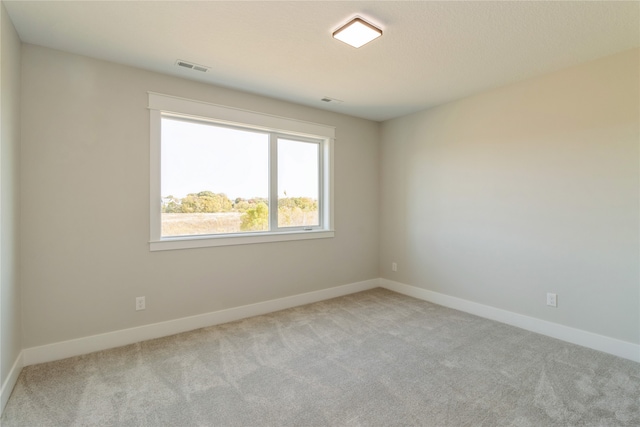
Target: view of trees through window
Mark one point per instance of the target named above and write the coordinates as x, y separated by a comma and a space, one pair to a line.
215, 180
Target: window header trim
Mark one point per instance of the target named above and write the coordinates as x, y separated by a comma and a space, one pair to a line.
237, 117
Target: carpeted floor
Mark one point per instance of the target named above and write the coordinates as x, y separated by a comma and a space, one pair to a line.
375, 358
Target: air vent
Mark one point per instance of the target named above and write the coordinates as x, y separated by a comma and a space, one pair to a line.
185, 64
192, 66
331, 100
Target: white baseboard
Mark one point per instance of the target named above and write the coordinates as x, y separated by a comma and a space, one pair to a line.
602, 343
79, 346
10, 382
76, 347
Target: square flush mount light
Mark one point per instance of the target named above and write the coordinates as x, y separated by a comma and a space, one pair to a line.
357, 33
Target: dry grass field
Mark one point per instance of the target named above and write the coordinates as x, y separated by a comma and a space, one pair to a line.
183, 224
189, 224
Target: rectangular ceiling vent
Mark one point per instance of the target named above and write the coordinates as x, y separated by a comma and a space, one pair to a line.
331, 100
192, 66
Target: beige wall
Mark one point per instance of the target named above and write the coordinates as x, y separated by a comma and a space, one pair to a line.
10, 304
85, 206
532, 188
498, 199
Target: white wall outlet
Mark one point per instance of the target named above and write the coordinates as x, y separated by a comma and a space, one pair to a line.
552, 300
140, 303
394, 266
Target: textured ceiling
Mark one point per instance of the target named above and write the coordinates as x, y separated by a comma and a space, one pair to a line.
430, 53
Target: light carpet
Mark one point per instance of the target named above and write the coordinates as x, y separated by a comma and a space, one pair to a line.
375, 358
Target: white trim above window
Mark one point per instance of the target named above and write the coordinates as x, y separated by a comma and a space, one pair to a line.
238, 117
274, 128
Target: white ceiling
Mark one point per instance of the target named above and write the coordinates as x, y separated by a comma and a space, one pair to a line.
430, 53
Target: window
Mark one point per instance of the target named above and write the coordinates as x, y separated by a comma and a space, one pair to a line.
223, 176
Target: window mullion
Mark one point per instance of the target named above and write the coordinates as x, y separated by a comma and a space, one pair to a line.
320, 186
273, 182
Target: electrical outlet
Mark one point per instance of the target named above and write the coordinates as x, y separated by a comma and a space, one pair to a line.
394, 266
552, 300
140, 303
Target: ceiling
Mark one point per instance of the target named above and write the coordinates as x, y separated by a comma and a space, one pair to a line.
431, 52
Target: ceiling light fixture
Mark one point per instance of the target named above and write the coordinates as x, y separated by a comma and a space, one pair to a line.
357, 33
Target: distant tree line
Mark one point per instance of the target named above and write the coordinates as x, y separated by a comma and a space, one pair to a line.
207, 202
255, 211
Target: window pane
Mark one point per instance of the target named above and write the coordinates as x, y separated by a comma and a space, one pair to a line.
298, 183
214, 179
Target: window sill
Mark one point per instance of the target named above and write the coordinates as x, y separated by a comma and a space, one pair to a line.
190, 242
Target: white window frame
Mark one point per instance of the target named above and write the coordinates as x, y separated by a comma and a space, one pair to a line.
160, 104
